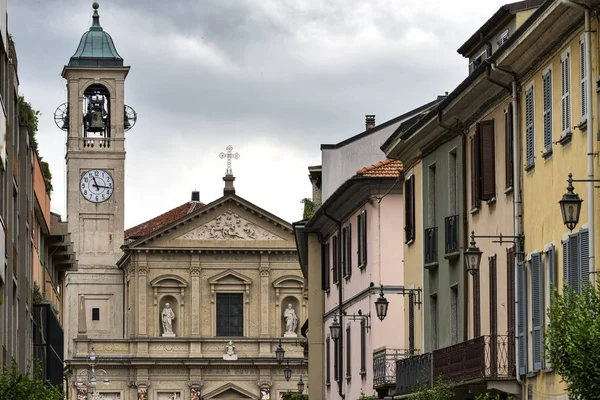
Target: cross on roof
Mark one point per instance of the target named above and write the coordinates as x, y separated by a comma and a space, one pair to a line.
229, 155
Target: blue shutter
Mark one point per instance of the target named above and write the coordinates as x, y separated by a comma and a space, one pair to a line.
584, 258
547, 88
529, 128
551, 254
537, 310
522, 319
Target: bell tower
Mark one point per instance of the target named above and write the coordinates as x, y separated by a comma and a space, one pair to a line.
95, 118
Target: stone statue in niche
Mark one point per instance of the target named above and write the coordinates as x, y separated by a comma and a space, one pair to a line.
291, 322
230, 352
167, 316
230, 226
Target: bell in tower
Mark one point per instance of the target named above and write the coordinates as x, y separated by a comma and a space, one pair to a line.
96, 116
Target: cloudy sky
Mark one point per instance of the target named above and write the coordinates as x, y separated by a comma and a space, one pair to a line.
273, 78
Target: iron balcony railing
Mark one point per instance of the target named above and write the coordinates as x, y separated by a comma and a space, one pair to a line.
413, 373
451, 234
430, 246
481, 357
384, 365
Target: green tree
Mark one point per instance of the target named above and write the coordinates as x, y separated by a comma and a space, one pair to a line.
15, 385
441, 390
294, 396
309, 208
573, 340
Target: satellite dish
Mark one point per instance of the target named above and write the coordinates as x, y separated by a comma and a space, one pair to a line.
130, 118
61, 116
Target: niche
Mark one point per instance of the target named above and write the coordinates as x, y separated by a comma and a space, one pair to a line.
291, 329
171, 319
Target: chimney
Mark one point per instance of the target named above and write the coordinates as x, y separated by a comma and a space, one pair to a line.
195, 195
369, 121
229, 188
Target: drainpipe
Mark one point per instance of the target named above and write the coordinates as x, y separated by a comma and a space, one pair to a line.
590, 140
517, 201
340, 303
465, 221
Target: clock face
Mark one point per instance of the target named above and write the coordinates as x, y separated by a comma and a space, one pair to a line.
96, 185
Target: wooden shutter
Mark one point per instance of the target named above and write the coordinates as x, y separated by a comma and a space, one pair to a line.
328, 361
583, 78
584, 257
529, 129
565, 93
488, 160
363, 347
364, 238
349, 250
475, 175
348, 353
325, 267
335, 258
493, 291
508, 145
522, 319
547, 95
510, 296
359, 239
537, 310
476, 306
409, 209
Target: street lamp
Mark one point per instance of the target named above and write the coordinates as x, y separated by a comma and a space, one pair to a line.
279, 353
570, 206
300, 385
287, 372
335, 328
381, 305
90, 374
473, 256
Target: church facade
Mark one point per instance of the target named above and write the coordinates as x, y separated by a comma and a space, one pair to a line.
191, 304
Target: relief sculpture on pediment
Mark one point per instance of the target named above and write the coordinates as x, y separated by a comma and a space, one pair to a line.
229, 226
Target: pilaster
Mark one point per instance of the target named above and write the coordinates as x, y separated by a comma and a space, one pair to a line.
142, 288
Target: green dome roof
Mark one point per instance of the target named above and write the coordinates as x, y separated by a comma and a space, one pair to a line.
96, 47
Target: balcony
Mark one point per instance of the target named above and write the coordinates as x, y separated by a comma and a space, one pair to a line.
482, 357
384, 366
451, 237
413, 373
430, 238
48, 343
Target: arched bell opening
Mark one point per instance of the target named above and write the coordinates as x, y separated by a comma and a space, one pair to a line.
96, 112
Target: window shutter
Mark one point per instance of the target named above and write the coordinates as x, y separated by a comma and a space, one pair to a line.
574, 265
349, 250
493, 292
551, 254
359, 241
565, 94
537, 310
475, 181
364, 242
363, 346
510, 295
584, 257
409, 209
411, 321
348, 353
328, 362
508, 150
476, 306
583, 76
547, 88
325, 267
488, 160
336, 258
529, 129
522, 316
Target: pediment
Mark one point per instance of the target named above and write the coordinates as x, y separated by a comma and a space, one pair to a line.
288, 281
168, 281
230, 391
229, 225
229, 277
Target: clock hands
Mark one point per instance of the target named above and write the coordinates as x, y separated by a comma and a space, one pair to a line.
95, 183
99, 186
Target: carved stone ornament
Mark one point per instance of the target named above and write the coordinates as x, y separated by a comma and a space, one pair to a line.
195, 384
265, 383
229, 226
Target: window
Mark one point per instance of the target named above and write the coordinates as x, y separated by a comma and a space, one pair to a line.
363, 347
565, 84
583, 79
431, 195
434, 321
487, 158
493, 291
348, 353
502, 38
475, 171
328, 361
576, 268
529, 129
508, 146
336, 258
454, 313
547, 88
325, 267
362, 239
537, 310
476, 306
522, 319
230, 314
452, 183
347, 251
409, 209
95, 314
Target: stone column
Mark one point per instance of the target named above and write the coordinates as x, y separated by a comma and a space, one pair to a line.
316, 376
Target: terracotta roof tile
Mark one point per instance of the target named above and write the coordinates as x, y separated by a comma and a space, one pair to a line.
383, 169
150, 226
